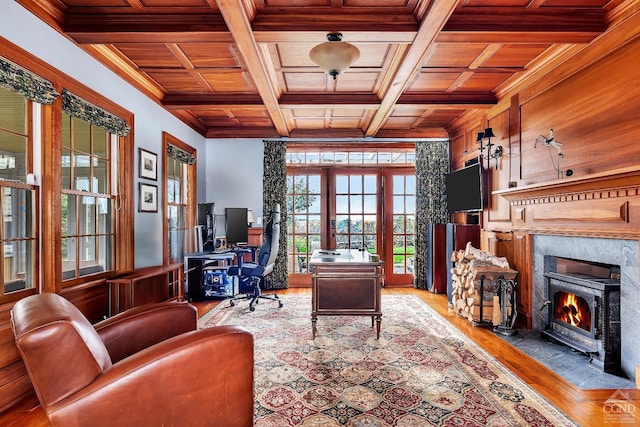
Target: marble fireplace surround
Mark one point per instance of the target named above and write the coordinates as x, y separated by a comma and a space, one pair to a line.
620, 252
593, 217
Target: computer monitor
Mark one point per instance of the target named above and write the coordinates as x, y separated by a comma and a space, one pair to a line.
237, 229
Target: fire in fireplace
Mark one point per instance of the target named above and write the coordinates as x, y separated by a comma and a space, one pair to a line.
572, 309
584, 310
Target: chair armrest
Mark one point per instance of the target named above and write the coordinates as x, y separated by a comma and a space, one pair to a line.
138, 328
204, 377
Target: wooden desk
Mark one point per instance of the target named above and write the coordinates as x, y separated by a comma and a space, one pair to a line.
345, 282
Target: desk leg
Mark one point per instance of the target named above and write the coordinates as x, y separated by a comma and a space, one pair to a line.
314, 319
378, 321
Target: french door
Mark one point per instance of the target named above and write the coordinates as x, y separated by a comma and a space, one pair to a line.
370, 209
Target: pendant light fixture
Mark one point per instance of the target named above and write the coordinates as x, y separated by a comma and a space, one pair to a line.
334, 56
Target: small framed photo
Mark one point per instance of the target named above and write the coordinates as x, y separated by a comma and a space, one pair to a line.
148, 198
148, 165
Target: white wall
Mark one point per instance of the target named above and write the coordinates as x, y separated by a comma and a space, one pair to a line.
25, 30
234, 176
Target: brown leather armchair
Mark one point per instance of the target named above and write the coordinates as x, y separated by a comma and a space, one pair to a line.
147, 366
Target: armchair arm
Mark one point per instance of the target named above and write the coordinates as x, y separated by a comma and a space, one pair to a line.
141, 327
204, 377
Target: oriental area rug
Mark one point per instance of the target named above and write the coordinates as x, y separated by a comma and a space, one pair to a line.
421, 372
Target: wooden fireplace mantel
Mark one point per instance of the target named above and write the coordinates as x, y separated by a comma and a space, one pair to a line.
603, 204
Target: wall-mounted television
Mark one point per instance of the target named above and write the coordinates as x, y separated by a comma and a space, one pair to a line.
465, 189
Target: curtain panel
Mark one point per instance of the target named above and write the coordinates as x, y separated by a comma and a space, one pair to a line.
26, 83
432, 163
180, 155
78, 107
274, 182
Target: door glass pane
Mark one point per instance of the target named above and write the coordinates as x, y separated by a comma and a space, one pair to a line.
304, 223
356, 195
403, 223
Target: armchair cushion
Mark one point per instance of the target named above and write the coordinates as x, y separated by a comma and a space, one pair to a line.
167, 372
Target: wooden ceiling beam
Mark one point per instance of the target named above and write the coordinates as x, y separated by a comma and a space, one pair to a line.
341, 22
439, 13
454, 99
208, 101
240, 26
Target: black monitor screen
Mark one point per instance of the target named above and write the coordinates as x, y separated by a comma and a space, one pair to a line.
464, 189
237, 230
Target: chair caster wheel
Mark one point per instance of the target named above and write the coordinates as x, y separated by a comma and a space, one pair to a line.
252, 308
231, 304
280, 304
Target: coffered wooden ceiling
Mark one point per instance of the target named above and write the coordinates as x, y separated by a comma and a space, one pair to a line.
240, 68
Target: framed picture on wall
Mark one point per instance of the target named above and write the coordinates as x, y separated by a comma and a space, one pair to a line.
148, 198
148, 165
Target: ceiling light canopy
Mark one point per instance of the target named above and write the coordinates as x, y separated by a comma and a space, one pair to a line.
334, 56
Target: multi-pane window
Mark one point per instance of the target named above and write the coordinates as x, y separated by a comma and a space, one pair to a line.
356, 211
176, 207
404, 222
303, 220
17, 199
87, 198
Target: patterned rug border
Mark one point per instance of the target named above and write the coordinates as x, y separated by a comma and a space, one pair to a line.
224, 311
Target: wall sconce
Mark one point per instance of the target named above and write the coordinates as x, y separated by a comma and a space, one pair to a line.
334, 56
250, 218
492, 153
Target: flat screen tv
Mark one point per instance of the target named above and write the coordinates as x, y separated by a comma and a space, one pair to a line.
464, 189
237, 227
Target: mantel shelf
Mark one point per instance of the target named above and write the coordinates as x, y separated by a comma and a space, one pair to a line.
612, 180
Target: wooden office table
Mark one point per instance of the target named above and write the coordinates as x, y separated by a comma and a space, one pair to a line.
345, 282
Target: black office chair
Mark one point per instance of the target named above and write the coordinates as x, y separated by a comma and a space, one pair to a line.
251, 273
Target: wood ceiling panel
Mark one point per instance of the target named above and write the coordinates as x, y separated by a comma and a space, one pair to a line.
439, 118
348, 112
431, 82
354, 81
454, 55
230, 81
241, 67
511, 55
210, 54
174, 3
308, 112
343, 123
149, 55
294, 54
297, 3
306, 82
310, 123
497, 3
484, 81
399, 123
178, 82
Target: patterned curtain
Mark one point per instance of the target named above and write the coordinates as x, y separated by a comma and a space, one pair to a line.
432, 163
274, 182
78, 107
180, 155
26, 83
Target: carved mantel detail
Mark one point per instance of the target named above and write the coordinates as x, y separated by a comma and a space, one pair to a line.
606, 204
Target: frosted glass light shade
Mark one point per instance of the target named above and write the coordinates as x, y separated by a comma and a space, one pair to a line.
334, 56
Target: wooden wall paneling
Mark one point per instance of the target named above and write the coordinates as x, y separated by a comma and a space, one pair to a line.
90, 298
522, 261
595, 137
14, 381
499, 171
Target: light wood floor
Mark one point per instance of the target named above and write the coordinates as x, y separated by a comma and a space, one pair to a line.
586, 407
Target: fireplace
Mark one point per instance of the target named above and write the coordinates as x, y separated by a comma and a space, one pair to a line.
583, 309
610, 271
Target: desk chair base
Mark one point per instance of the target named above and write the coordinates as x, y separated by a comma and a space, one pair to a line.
254, 297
